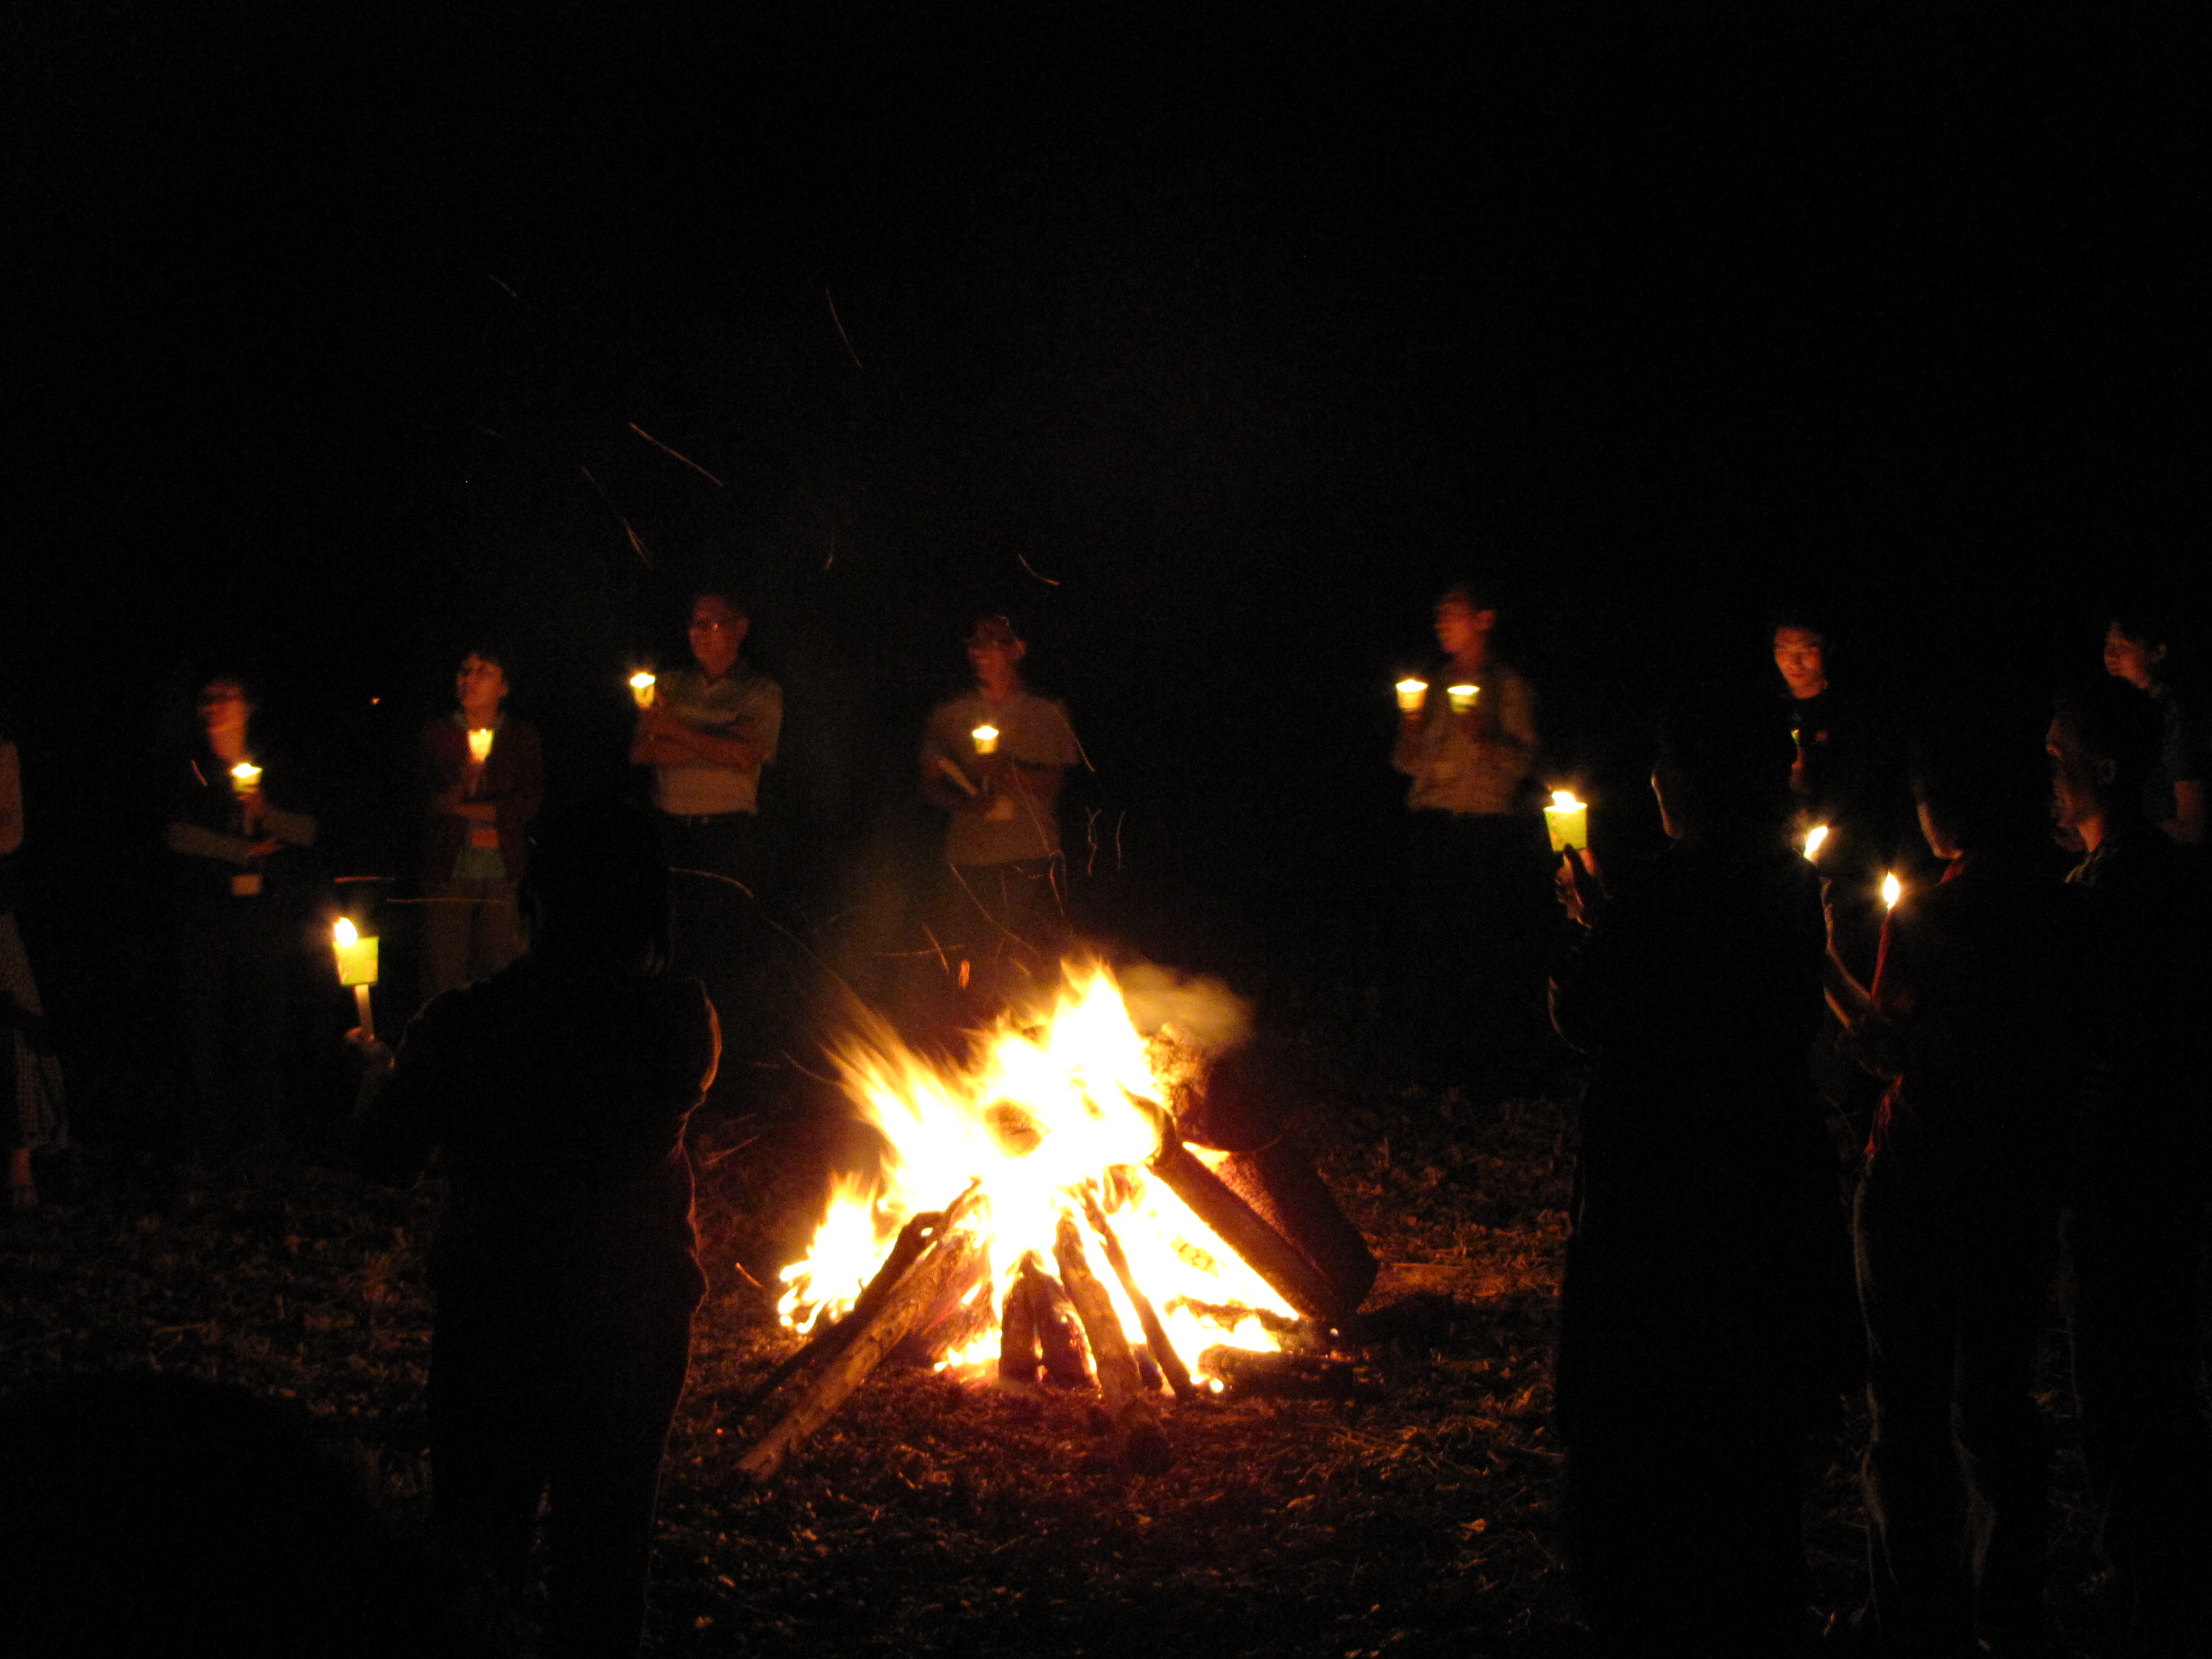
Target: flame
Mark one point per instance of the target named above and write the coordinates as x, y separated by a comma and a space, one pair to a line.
1814, 838
480, 743
1892, 889
1563, 800
345, 934
986, 739
1047, 1111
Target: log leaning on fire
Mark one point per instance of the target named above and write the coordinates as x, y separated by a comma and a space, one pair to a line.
1132, 1414
944, 1267
1245, 1231
1156, 1334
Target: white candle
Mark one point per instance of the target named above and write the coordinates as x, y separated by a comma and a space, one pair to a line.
1568, 821
986, 739
357, 958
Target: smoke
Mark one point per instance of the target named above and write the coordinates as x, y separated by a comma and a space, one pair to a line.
1204, 1012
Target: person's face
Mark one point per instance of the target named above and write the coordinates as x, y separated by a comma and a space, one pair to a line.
223, 705
1798, 654
994, 662
717, 631
1933, 832
2077, 777
2132, 660
1461, 626
480, 683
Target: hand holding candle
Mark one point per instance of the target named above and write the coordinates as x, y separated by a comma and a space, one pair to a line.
357, 958
1568, 821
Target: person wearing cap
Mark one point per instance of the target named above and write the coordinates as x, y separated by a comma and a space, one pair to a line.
994, 760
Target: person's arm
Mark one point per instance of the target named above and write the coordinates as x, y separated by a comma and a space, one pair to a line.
293, 828
1516, 725
663, 738
195, 840
519, 802
406, 1102
2187, 824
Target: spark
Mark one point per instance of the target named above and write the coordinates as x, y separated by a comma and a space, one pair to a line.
1047, 581
678, 454
842, 335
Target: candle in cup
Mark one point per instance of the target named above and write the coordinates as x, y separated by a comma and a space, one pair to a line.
480, 743
1411, 694
1567, 820
986, 739
356, 959
641, 689
1463, 697
245, 778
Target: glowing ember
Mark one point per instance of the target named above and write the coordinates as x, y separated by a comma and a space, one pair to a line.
1051, 1111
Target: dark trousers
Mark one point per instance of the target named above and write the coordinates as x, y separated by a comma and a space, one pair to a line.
1478, 910
528, 1399
1953, 1287
227, 965
1002, 928
2134, 1305
722, 936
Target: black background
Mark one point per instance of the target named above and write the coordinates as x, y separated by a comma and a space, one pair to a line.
1209, 341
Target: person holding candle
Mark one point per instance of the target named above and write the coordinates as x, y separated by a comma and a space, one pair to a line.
1973, 1020
235, 879
566, 1264
1477, 854
1705, 1310
994, 760
475, 831
2137, 1210
707, 732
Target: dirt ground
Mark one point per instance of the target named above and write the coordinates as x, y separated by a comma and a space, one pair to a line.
931, 1515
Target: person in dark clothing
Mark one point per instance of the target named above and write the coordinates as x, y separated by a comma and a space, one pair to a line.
2139, 648
2136, 1224
1705, 1310
1972, 1017
565, 1266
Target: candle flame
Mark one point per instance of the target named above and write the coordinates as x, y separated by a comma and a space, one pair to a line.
1815, 838
986, 739
246, 772
1563, 800
1462, 696
640, 681
1892, 889
1411, 694
346, 934
480, 743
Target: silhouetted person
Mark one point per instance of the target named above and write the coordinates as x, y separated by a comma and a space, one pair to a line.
2135, 1231
1002, 911
235, 878
566, 1267
2139, 648
475, 831
33, 1112
1974, 1018
1704, 1308
1477, 897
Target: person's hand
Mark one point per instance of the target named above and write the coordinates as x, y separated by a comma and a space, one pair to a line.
1828, 911
657, 719
373, 1049
1580, 891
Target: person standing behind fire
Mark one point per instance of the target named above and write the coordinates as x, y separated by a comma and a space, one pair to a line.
995, 759
233, 865
1477, 893
706, 733
474, 843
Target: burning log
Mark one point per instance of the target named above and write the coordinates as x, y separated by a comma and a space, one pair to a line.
949, 1258
1279, 1184
1067, 1355
1019, 1357
1283, 1376
1142, 1440
1273, 1257
1156, 1335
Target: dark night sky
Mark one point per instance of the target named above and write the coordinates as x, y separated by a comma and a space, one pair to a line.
1246, 326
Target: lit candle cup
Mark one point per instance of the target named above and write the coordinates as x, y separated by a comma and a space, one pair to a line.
246, 779
1815, 838
1463, 697
1891, 891
480, 743
986, 739
356, 967
1568, 821
641, 689
1411, 694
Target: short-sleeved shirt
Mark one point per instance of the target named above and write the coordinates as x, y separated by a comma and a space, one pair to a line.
1033, 732
741, 704
1451, 773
